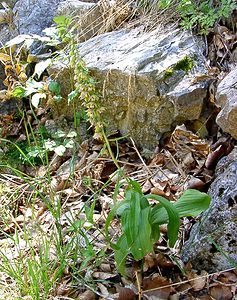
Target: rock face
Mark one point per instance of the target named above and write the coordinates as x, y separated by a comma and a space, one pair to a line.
89, 15
147, 80
33, 16
227, 101
213, 240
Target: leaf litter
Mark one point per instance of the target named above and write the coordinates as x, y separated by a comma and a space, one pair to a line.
183, 161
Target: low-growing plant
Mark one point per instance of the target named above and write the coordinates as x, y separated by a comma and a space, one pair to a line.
201, 15
140, 221
204, 14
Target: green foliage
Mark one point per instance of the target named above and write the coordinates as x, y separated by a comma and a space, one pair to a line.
204, 14
201, 15
140, 221
185, 64
35, 89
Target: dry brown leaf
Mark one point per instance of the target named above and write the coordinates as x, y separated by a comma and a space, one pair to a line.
103, 290
5, 57
184, 287
105, 267
18, 221
195, 183
163, 261
157, 191
146, 187
197, 282
205, 297
213, 157
103, 275
152, 288
149, 262
228, 277
126, 294
221, 292
71, 193
87, 295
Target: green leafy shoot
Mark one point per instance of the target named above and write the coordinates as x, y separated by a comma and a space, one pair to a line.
140, 221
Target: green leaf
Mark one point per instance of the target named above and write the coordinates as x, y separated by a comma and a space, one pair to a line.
54, 87
69, 144
19, 92
121, 254
50, 145
155, 232
131, 218
60, 20
173, 218
191, 203
72, 96
143, 243
41, 66
71, 134
109, 218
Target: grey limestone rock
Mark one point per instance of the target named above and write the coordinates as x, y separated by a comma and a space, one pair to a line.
33, 16
212, 244
227, 101
89, 16
145, 88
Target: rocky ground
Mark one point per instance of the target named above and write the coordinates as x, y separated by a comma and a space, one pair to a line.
173, 127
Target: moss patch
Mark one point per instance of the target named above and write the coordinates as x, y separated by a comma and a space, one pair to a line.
185, 64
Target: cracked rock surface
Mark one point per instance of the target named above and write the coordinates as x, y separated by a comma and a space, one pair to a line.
212, 244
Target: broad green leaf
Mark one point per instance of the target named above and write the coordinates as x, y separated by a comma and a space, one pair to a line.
41, 66
143, 243
173, 218
134, 185
55, 87
155, 232
191, 203
19, 92
121, 254
36, 98
59, 20
122, 207
131, 218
